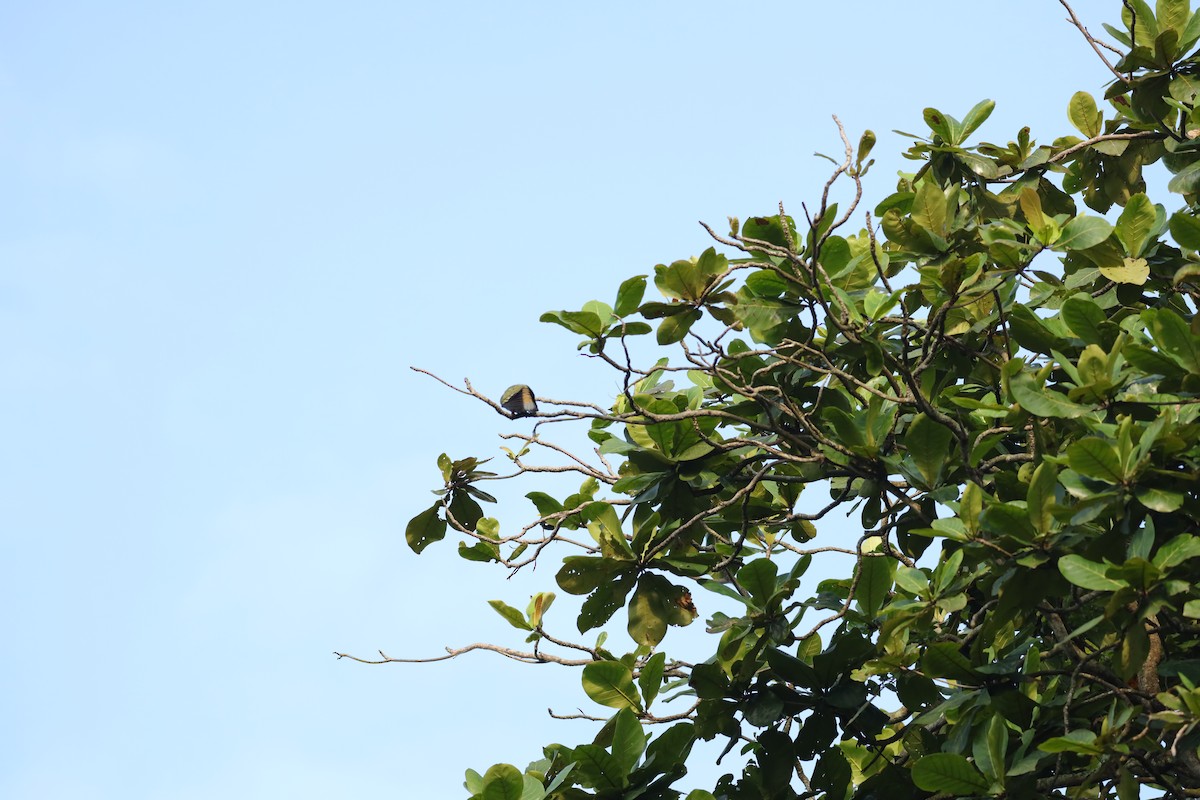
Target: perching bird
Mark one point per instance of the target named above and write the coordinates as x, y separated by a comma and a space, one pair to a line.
518, 401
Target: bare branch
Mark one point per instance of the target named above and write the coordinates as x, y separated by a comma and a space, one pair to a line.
515, 655
1091, 40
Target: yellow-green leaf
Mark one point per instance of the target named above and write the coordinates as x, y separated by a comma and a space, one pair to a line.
1131, 270
1084, 115
1135, 225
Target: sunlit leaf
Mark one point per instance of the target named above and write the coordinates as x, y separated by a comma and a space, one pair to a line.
610, 683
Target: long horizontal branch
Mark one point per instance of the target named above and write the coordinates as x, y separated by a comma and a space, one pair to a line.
451, 652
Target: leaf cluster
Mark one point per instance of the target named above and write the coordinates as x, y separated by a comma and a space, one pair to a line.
1001, 387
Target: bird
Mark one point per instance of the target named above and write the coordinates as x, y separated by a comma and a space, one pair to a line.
518, 401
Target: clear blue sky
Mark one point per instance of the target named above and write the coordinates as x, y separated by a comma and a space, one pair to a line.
227, 229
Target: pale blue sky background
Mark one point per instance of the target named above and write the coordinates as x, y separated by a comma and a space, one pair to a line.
226, 230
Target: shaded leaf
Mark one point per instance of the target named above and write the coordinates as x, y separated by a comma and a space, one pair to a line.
948, 772
629, 742
1175, 552
758, 578
874, 584
425, 528
928, 442
673, 329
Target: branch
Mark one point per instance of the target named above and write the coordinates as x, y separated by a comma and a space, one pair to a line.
1104, 137
1091, 40
515, 655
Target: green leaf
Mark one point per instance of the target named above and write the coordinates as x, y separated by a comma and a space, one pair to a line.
974, 118
670, 749
650, 677
942, 124
766, 283
582, 322
601, 604
682, 280
1185, 229
1084, 115
1042, 401
606, 527
929, 444
1175, 338
673, 329
629, 742
943, 660
583, 574
503, 782
849, 429
425, 528
1175, 552
1095, 458
874, 583
1187, 180
465, 510
970, 507
1088, 574
948, 772
1158, 499
1079, 741
1031, 207
1137, 16
832, 773
512, 615
996, 740
1030, 332
1083, 232
648, 610
1135, 225
629, 295
597, 768
1039, 500
473, 782
610, 683
931, 208
533, 789
761, 314
1190, 271
758, 578
1132, 270
769, 229
1083, 316
911, 580
865, 144
1172, 14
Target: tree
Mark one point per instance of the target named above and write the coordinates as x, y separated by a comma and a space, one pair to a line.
1003, 386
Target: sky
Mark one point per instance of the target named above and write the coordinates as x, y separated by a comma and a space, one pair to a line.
227, 230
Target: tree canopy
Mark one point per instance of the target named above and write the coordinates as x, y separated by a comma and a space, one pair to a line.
997, 367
